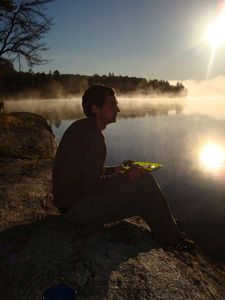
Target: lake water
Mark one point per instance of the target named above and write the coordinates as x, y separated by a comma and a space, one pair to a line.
186, 135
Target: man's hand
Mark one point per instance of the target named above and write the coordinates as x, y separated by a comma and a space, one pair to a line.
134, 172
120, 168
128, 163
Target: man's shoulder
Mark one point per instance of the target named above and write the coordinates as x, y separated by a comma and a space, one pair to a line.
75, 134
86, 122
81, 127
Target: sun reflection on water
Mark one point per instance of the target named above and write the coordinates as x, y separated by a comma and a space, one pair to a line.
212, 156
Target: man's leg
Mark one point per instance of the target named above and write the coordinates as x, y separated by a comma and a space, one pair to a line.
137, 198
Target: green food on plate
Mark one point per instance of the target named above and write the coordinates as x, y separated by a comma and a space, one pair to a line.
147, 165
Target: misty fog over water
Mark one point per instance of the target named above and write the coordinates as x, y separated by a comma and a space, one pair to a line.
186, 135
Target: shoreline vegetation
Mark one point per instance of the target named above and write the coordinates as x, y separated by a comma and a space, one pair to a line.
29, 85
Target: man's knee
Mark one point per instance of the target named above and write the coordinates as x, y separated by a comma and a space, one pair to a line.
148, 179
147, 183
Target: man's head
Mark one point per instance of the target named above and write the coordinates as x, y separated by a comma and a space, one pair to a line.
100, 101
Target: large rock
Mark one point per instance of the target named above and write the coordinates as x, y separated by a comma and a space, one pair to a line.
120, 261
27, 149
39, 248
25, 191
26, 135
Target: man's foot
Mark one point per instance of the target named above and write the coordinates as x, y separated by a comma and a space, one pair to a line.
180, 244
184, 244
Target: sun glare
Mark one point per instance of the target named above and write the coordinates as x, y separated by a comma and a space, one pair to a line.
215, 36
212, 156
216, 32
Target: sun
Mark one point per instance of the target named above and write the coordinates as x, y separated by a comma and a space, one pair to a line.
215, 34
212, 156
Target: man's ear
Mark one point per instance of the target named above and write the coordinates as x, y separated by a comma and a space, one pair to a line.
95, 109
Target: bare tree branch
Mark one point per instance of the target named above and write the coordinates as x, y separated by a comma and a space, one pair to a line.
23, 24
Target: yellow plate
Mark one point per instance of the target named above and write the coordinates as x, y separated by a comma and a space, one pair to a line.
147, 165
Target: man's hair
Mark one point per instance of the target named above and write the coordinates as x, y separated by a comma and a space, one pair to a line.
95, 95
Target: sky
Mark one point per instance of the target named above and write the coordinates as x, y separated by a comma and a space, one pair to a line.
162, 39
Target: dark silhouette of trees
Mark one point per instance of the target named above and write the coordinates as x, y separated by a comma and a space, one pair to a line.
5, 5
23, 23
6, 67
55, 85
135, 85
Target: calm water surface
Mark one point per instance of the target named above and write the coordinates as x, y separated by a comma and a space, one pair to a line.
186, 136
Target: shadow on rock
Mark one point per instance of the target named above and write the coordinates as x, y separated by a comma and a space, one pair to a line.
39, 255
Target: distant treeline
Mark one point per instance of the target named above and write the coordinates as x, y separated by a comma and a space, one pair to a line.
55, 85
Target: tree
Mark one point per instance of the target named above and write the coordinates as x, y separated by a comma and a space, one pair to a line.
23, 24
6, 66
5, 4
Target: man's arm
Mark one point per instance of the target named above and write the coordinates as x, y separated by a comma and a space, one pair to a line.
95, 180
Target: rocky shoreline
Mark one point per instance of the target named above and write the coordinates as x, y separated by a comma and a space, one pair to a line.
38, 248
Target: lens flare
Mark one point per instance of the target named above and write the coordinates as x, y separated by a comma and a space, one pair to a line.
215, 36
216, 32
212, 156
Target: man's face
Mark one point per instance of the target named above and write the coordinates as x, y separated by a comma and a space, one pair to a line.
108, 112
